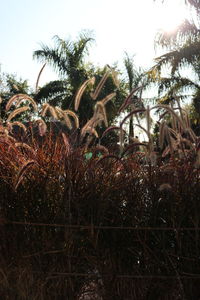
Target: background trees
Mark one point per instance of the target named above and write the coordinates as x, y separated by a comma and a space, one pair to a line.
68, 59
127, 224
10, 86
177, 72
183, 46
136, 78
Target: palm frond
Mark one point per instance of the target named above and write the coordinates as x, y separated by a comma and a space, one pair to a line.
65, 54
175, 84
52, 57
193, 3
186, 32
182, 56
54, 92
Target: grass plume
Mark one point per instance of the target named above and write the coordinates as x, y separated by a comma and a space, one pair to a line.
38, 78
42, 127
17, 99
73, 115
81, 91
16, 123
17, 112
100, 85
22, 172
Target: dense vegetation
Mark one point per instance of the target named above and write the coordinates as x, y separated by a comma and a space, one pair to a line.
87, 210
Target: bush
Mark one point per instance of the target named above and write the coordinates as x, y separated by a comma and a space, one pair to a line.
111, 227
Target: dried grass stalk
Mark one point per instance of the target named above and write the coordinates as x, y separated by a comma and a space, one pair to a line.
88, 141
6, 137
174, 133
174, 123
89, 130
197, 162
115, 78
171, 148
13, 99
172, 112
18, 99
64, 115
165, 132
66, 142
171, 142
162, 133
102, 149
75, 117
81, 91
179, 108
67, 121
100, 85
111, 129
2, 129
187, 120
148, 119
16, 112
22, 172
53, 112
25, 146
45, 108
107, 98
100, 111
128, 100
191, 134
60, 112
165, 187
42, 127
166, 151
135, 111
56, 112
121, 140
89, 123
187, 142
38, 78
96, 119
16, 123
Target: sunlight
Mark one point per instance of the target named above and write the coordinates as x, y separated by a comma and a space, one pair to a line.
170, 15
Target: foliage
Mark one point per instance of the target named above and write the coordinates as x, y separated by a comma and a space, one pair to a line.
108, 225
69, 60
9, 87
86, 210
136, 78
183, 54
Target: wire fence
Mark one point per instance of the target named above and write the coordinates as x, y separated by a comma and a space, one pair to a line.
89, 227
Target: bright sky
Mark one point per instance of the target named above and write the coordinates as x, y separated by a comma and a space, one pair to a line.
117, 26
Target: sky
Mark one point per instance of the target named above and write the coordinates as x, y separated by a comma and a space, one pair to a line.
117, 26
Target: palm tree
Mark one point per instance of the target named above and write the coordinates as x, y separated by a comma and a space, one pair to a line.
135, 78
68, 60
183, 47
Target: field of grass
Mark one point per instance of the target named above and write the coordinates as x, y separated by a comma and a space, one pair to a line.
81, 219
